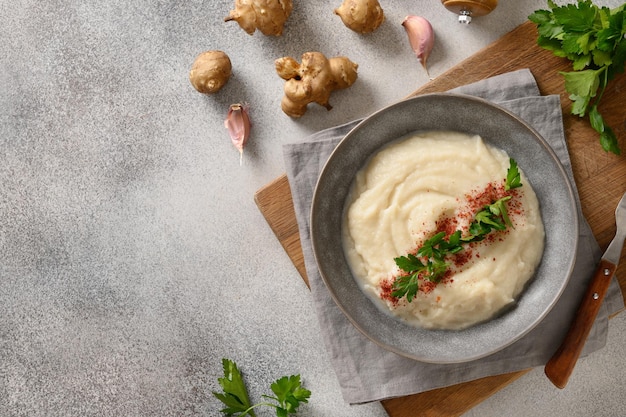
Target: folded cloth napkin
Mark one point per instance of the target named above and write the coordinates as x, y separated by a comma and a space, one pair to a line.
367, 372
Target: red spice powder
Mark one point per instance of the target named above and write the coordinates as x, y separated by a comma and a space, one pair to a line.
448, 225
386, 288
492, 192
427, 286
461, 259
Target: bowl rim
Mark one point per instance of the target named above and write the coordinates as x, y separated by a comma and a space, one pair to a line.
550, 153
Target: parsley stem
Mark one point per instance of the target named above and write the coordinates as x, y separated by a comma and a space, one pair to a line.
251, 413
604, 83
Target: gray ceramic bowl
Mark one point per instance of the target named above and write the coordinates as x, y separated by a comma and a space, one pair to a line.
497, 127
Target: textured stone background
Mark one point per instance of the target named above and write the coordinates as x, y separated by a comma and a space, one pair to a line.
132, 255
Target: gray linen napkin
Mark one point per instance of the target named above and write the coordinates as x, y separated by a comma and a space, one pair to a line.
367, 372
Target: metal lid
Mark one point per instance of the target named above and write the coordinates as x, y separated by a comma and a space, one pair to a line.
465, 17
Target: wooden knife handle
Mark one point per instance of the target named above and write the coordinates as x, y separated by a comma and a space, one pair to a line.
560, 366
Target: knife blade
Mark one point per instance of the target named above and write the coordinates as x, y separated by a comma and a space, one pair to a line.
561, 365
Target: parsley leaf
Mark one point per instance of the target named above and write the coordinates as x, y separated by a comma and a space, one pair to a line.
487, 218
430, 248
608, 140
498, 209
289, 394
583, 86
513, 176
576, 18
593, 39
235, 395
409, 263
406, 285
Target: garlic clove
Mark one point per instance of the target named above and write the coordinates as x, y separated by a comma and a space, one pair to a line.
238, 124
421, 37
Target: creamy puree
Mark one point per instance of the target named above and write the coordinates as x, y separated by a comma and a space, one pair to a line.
402, 197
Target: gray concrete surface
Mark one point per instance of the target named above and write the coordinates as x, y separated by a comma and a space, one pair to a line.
132, 255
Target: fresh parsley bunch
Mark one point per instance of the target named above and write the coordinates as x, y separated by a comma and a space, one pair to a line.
593, 39
288, 394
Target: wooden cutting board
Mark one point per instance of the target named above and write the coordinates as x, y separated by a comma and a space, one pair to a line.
600, 179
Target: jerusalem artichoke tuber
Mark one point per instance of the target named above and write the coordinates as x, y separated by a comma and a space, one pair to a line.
268, 16
362, 16
210, 71
313, 80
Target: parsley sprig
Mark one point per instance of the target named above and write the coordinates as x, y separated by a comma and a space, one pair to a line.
288, 394
593, 39
429, 262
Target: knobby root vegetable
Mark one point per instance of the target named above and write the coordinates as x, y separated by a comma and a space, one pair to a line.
313, 80
362, 16
210, 71
268, 16
421, 37
238, 124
